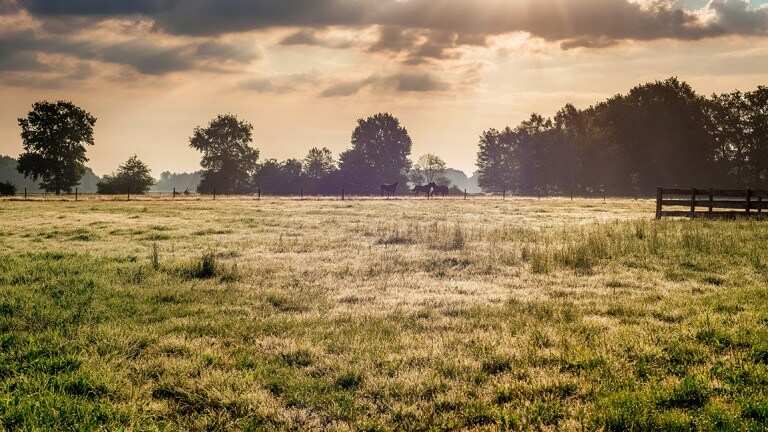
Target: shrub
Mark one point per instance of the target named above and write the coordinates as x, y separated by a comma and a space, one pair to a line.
131, 177
7, 189
205, 267
349, 380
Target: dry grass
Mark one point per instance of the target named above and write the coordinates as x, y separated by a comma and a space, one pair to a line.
379, 315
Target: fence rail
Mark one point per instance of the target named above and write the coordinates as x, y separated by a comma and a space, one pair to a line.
711, 201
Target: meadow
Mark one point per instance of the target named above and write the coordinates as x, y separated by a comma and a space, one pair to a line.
378, 315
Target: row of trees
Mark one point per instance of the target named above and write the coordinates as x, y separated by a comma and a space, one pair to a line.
380, 153
56, 135
659, 134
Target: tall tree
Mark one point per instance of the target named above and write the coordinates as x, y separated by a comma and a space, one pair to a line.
429, 169
133, 176
54, 136
758, 126
659, 134
380, 154
319, 163
496, 164
228, 159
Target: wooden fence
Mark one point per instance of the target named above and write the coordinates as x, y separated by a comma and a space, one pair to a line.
711, 203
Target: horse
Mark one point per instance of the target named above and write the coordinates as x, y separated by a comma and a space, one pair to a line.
388, 189
440, 190
425, 189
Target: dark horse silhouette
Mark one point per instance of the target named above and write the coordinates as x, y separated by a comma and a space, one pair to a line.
388, 189
439, 189
422, 189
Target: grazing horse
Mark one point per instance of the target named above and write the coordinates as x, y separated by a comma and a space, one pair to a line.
440, 190
388, 189
422, 189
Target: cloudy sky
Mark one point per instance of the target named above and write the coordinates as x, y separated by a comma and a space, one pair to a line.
302, 71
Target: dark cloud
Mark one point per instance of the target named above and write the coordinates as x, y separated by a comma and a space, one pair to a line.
236, 52
21, 61
414, 32
420, 46
587, 42
736, 16
20, 50
307, 37
416, 82
554, 20
96, 7
347, 88
400, 82
395, 39
146, 57
301, 37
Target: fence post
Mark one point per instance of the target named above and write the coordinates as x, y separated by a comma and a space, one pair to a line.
465, 193
342, 194
749, 201
504, 194
129, 194
75, 194
659, 197
259, 193
693, 203
214, 194
174, 193
711, 201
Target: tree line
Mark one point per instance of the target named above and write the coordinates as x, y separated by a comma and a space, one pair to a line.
660, 134
55, 137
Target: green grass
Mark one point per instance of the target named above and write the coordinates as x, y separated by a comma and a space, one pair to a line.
288, 315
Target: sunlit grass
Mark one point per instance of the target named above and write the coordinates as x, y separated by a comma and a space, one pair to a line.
375, 315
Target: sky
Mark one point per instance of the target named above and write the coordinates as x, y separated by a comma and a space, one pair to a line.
303, 71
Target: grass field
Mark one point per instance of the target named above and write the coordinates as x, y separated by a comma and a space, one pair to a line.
379, 315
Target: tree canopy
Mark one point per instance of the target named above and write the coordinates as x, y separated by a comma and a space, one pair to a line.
658, 134
7, 189
228, 159
133, 177
380, 154
319, 162
430, 168
54, 136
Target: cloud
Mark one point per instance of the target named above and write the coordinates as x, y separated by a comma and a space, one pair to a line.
278, 84
307, 37
22, 49
400, 82
235, 52
21, 61
160, 37
347, 88
416, 82
737, 17
416, 46
554, 20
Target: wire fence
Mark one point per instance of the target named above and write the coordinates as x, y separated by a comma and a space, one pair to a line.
300, 195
